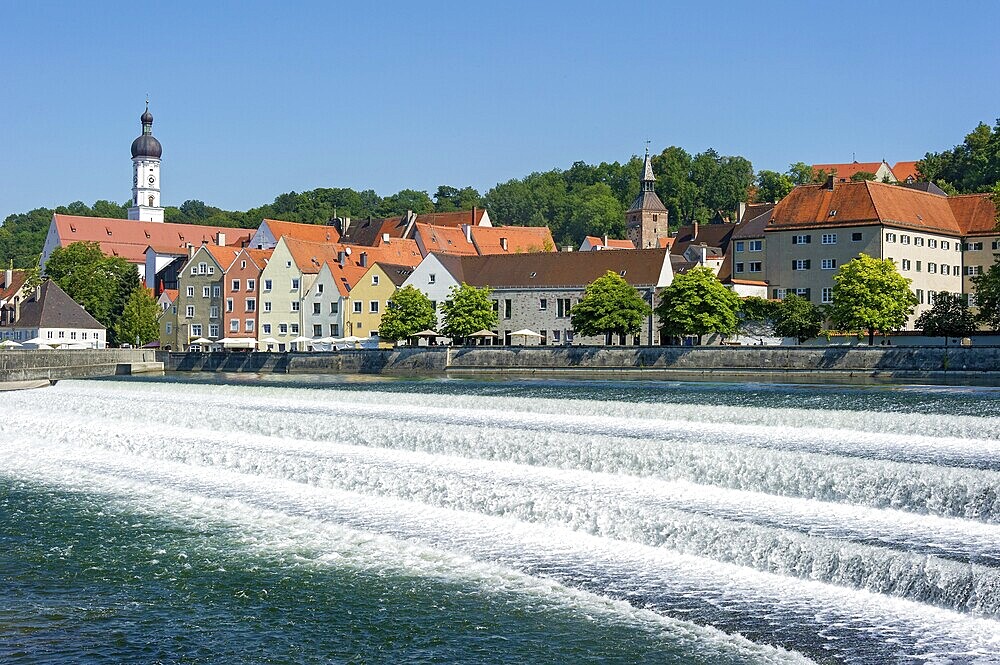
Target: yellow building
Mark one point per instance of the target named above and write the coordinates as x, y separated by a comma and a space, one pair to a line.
369, 296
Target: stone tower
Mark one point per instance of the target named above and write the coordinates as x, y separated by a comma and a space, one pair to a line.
646, 219
146, 151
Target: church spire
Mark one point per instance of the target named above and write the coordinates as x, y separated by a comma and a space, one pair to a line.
648, 179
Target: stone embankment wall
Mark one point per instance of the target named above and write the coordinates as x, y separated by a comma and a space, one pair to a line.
656, 362
22, 365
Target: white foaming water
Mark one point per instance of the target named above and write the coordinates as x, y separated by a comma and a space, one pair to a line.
604, 513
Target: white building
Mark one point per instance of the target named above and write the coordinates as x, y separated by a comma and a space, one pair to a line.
49, 316
146, 152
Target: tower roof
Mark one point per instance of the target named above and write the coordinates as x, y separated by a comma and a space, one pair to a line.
647, 169
647, 198
146, 145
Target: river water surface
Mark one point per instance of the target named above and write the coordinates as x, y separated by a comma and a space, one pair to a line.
234, 519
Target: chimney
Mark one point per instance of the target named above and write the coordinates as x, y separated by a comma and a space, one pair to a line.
605, 241
830, 180
473, 215
8, 276
341, 258
363, 259
345, 224
741, 209
694, 231
221, 239
468, 232
503, 244
190, 251
385, 238
704, 254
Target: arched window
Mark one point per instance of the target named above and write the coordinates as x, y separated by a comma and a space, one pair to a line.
151, 201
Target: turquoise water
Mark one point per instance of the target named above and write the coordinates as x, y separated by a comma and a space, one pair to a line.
334, 520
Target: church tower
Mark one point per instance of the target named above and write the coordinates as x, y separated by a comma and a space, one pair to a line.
646, 219
146, 151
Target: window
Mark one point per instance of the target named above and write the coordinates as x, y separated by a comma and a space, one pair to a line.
267, 285
931, 267
317, 330
216, 291
266, 328
234, 325
826, 295
295, 283
756, 245
973, 270
905, 265
956, 270
739, 246
295, 328
373, 306
945, 268
802, 293
49, 334
72, 334
801, 239
996, 244
930, 297
856, 236
828, 264
189, 312
945, 244
904, 239
543, 304
431, 278
236, 285
282, 328
318, 309
248, 325
555, 336
63, 333
973, 246
251, 284
196, 330
755, 266
251, 305
334, 329
829, 239
213, 330
920, 296
932, 243
243, 265
374, 280
213, 312
202, 268
739, 267
563, 306
334, 307
206, 291
267, 305
170, 328
357, 306
295, 305
918, 266
506, 309
890, 237
800, 264
319, 289
190, 292
229, 304
918, 241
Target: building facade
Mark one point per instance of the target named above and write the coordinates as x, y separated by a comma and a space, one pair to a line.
146, 153
646, 219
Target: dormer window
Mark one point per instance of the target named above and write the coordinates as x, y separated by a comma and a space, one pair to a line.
532, 275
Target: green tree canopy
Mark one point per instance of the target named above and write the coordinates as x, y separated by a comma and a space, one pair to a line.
610, 305
800, 173
467, 310
861, 176
773, 186
870, 294
950, 316
988, 296
757, 316
696, 303
137, 323
101, 284
409, 311
450, 199
970, 167
797, 317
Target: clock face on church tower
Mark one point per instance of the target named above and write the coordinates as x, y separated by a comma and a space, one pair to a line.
151, 180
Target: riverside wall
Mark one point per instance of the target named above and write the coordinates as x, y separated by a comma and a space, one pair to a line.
27, 365
707, 362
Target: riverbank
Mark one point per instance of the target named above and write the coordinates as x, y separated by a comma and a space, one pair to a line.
979, 365
31, 365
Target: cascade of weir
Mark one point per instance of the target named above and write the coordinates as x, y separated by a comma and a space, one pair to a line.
813, 538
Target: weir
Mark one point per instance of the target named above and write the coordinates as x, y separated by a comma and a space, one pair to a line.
852, 526
26, 365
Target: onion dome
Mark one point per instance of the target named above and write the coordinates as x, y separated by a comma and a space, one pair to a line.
146, 145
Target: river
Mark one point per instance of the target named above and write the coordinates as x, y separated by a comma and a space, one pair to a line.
204, 518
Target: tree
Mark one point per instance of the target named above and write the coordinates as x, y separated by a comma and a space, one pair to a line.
449, 199
870, 294
861, 176
797, 317
948, 317
756, 317
408, 312
467, 310
696, 303
800, 173
100, 284
773, 186
137, 323
610, 305
988, 296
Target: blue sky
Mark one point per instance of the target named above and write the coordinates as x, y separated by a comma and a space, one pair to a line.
258, 98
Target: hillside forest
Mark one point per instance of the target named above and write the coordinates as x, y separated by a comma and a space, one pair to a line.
581, 200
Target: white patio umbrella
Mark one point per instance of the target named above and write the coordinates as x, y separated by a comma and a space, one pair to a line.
526, 333
10, 344
201, 340
238, 342
43, 347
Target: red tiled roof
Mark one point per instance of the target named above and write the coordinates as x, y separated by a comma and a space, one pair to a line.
614, 243
665, 243
309, 232
857, 203
454, 219
845, 171
171, 294
639, 267
129, 239
310, 256
18, 277
520, 239
904, 170
443, 239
